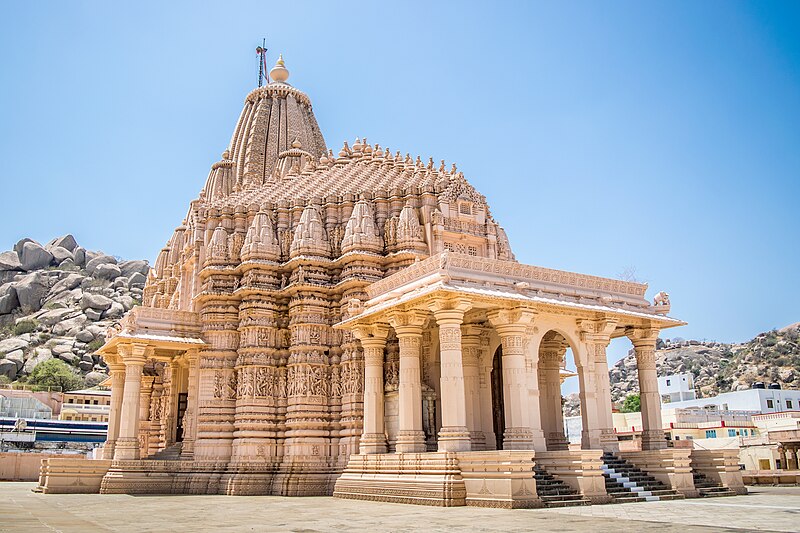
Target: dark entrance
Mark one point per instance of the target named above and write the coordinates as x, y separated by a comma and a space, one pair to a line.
183, 401
498, 412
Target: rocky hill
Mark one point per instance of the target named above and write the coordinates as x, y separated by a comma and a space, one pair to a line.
57, 300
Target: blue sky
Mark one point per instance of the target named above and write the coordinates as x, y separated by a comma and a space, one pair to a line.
656, 135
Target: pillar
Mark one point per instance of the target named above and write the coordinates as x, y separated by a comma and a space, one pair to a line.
485, 367
551, 354
134, 357
117, 371
145, 393
511, 325
782, 457
410, 436
454, 434
190, 418
596, 334
644, 344
470, 349
373, 341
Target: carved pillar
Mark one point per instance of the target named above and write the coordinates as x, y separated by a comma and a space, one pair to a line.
551, 353
134, 357
408, 327
117, 371
590, 418
454, 434
597, 335
470, 343
534, 391
145, 394
511, 326
373, 341
485, 392
782, 458
190, 417
644, 343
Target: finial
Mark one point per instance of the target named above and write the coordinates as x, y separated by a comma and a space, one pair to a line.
296, 143
279, 72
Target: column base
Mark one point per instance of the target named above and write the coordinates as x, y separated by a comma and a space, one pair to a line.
609, 441
372, 443
126, 450
410, 442
454, 439
108, 449
518, 439
653, 440
557, 442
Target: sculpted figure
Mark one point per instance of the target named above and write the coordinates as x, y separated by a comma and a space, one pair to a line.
662, 298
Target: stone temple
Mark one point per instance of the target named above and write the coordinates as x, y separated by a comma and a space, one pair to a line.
355, 323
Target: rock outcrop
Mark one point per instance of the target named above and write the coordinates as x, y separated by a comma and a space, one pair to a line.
57, 300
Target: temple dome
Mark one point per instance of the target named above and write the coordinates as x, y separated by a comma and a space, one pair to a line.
276, 118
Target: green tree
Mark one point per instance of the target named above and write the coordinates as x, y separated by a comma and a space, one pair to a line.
55, 373
632, 404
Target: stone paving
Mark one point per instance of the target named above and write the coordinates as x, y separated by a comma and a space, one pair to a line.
765, 509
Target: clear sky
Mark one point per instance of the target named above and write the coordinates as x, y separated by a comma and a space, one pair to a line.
663, 136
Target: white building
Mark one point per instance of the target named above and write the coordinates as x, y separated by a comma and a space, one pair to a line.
762, 400
676, 388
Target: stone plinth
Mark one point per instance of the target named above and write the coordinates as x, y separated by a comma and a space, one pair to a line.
72, 475
721, 466
580, 469
418, 478
671, 466
500, 479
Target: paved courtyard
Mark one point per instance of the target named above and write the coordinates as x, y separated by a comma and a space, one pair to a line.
765, 509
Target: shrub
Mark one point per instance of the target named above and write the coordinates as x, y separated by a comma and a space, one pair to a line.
95, 345
25, 326
55, 373
632, 404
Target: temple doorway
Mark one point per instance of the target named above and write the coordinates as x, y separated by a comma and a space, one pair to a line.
183, 402
498, 411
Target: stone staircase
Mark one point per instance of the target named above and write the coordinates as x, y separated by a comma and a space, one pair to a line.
554, 492
709, 489
626, 483
170, 453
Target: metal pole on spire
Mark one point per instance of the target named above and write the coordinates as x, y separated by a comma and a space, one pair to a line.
262, 62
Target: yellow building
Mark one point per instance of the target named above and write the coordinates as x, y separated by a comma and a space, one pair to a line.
89, 405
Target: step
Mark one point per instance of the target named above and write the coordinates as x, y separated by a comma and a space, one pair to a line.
718, 492
567, 503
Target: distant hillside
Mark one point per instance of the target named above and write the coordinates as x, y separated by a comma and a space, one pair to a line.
57, 300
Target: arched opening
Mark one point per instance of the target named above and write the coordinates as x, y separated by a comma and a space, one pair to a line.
552, 351
498, 407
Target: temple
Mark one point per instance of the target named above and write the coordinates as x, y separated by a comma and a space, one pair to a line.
356, 324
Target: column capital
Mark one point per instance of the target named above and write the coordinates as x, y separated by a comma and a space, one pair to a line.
514, 321
449, 310
596, 331
135, 354
371, 334
643, 336
408, 322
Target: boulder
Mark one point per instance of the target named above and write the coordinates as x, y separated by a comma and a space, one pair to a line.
128, 268
126, 301
8, 299
70, 282
54, 316
85, 336
34, 256
60, 254
69, 358
18, 356
70, 326
94, 378
20, 244
10, 261
8, 369
121, 283
107, 271
95, 301
137, 279
31, 291
40, 355
67, 264
115, 311
12, 344
66, 241
92, 264
79, 256
59, 349
93, 314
